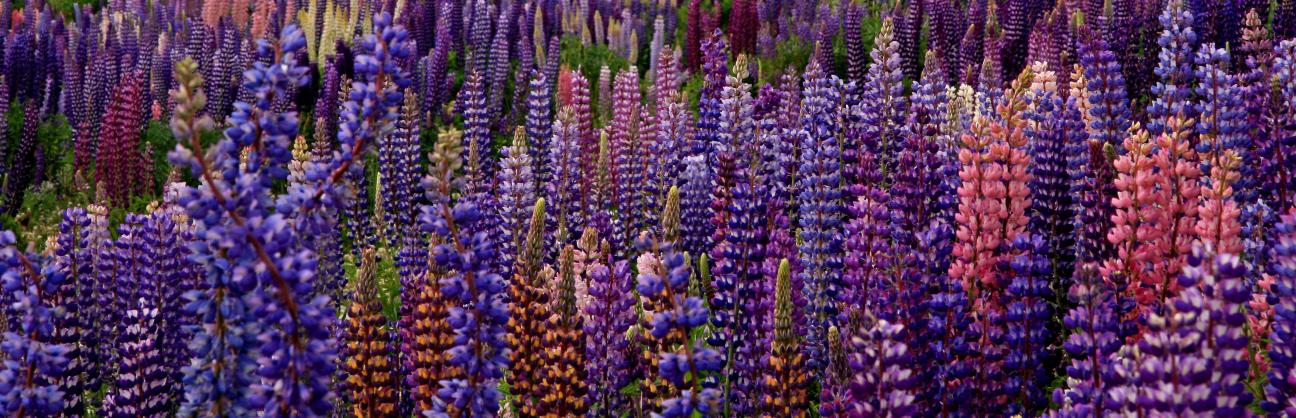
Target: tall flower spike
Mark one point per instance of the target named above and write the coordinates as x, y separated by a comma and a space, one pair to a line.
1027, 316
141, 380
882, 384
884, 102
784, 385
74, 329
1284, 71
1108, 115
668, 275
562, 389
32, 361
1137, 223
627, 153
1176, 160
119, 158
819, 184
216, 381
1222, 147
516, 194
610, 313
1174, 68
370, 369
1280, 392
529, 305
539, 128
1090, 346
1053, 212
479, 311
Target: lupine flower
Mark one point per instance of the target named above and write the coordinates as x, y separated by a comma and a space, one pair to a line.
539, 128
1108, 110
856, 60
23, 168
1136, 223
610, 314
1026, 314
710, 107
738, 292
1279, 391
1053, 210
371, 380
1174, 68
516, 194
562, 389
1094, 339
882, 384
479, 313
437, 88
784, 384
834, 394
119, 162
668, 275
141, 380
883, 102
33, 362
73, 329
1175, 159
820, 209
627, 154
527, 315
1221, 150
477, 136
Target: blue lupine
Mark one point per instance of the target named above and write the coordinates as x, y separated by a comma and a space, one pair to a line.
1026, 315
1109, 113
539, 128
610, 314
32, 362
480, 312
1280, 392
1174, 68
1093, 341
738, 292
820, 208
668, 275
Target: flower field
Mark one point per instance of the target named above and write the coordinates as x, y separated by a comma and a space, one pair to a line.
647, 208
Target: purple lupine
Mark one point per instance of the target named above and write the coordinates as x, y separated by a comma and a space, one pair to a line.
738, 292
870, 255
882, 382
33, 362
1280, 392
478, 38
916, 193
1108, 108
498, 71
437, 83
856, 51
1173, 91
552, 54
516, 195
1189, 353
820, 211
908, 34
479, 313
74, 259
400, 169
627, 155
668, 275
695, 201
609, 314
564, 185
477, 133
883, 103
22, 165
673, 130
1285, 74
1093, 341
710, 105
539, 127
141, 385
1027, 316
604, 85
1053, 208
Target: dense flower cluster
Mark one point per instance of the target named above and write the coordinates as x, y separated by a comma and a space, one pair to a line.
591, 208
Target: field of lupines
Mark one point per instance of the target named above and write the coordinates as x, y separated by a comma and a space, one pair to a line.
648, 208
